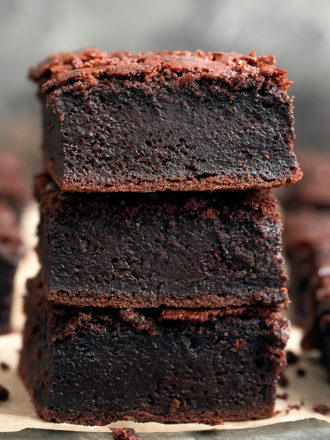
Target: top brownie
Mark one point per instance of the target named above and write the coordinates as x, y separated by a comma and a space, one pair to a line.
166, 121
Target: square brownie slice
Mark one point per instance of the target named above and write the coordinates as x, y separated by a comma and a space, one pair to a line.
11, 250
176, 249
166, 120
97, 365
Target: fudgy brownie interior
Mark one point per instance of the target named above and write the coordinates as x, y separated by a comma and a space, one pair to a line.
170, 248
169, 120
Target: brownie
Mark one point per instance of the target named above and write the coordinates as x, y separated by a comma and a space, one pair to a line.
318, 336
97, 365
10, 251
166, 120
177, 249
15, 187
313, 190
307, 243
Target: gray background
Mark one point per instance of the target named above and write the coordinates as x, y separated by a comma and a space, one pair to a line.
296, 31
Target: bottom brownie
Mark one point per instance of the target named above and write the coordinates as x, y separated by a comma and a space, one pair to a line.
10, 252
97, 365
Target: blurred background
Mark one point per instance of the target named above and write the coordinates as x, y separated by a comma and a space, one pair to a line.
296, 31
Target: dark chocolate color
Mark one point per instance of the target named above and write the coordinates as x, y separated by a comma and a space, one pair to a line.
10, 251
171, 248
307, 243
170, 120
124, 434
97, 365
4, 393
318, 335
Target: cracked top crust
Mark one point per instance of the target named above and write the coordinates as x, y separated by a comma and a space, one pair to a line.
85, 67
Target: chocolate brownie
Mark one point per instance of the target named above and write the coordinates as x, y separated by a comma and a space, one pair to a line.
167, 120
318, 335
98, 365
307, 242
15, 187
177, 249
10, 251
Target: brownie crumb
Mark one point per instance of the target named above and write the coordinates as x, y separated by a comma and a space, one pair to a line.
283, 396
321, 409
128, 419
290, 407
301, 372
4, 393
124, 434
175, 405
283, 381
4, 366
291, 357
297, 407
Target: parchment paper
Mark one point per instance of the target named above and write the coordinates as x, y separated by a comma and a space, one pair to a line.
18, 412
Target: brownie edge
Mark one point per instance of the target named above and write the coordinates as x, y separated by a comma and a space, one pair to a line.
162, 365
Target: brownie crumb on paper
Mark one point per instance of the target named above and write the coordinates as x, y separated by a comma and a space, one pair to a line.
4, 366
4, 393
301, 372
291, 357
321, 409
124, 434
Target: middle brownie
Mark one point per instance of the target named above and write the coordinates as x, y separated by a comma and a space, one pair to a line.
148, 250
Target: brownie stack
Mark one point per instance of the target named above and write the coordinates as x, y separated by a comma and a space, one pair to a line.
162, 276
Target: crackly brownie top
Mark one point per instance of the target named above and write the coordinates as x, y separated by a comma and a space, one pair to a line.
84, 68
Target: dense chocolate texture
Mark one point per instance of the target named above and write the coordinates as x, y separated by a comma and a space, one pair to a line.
307, 243
10, 252
98, 365
170, 248
313, 190
15, 187
169, 120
